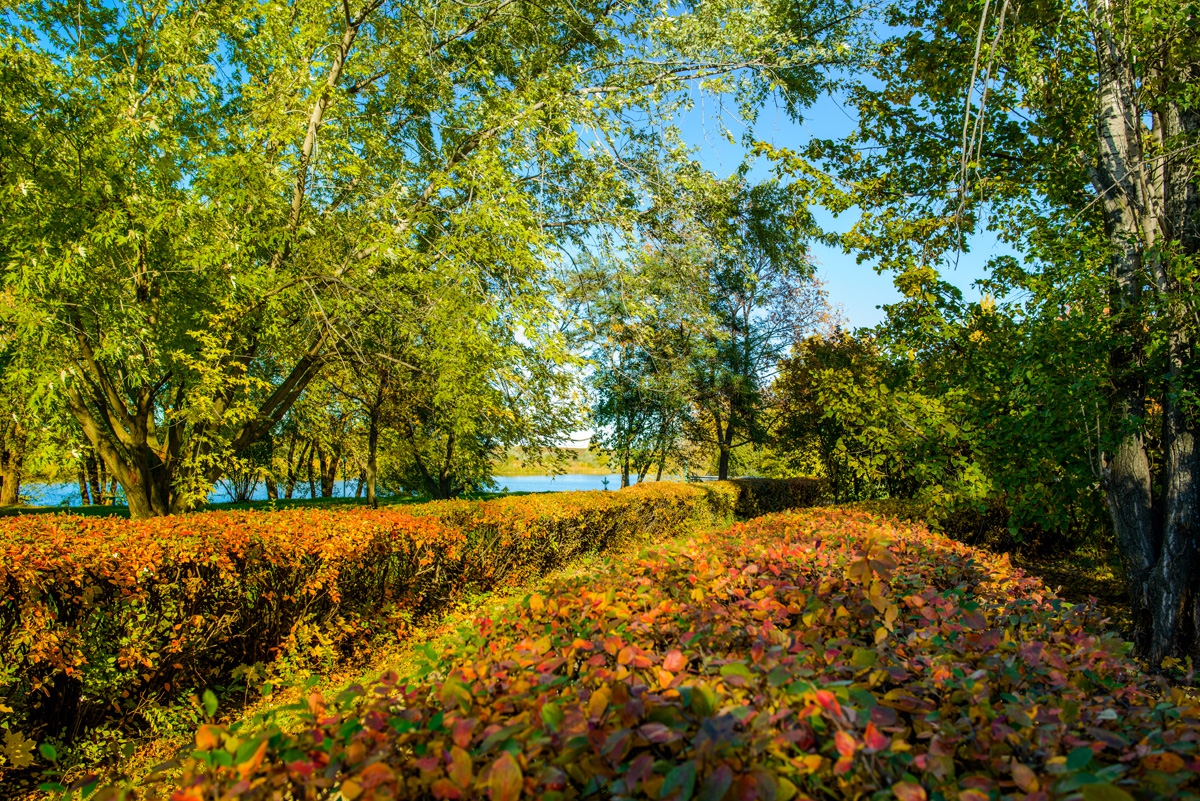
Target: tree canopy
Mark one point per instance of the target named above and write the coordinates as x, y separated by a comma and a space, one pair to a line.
293, 242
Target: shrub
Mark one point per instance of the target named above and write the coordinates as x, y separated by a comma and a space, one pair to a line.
103, 620
102, 617
826, 654
760, 496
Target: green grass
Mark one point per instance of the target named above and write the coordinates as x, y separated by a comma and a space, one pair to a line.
580, 461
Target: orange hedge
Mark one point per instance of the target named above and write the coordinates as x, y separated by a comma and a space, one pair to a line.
827, 654
102, 618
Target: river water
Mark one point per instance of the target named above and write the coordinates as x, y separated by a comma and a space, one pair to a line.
68, 494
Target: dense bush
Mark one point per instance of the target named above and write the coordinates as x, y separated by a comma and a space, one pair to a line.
760, 496
828, 654
102, 621
988, 524
101, 617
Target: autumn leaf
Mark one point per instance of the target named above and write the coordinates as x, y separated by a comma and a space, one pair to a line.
1024, 778
674, 661
907, 791
18, 749
504, 779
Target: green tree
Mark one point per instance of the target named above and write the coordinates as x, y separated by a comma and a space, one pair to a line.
1069, 129
745, 254
198, 198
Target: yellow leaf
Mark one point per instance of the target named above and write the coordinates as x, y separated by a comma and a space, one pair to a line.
351, 790
599, 702
505, 781
18, 749
460, 767
1104, 792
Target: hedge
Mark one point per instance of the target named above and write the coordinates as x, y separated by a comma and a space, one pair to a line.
102, 619
826, 654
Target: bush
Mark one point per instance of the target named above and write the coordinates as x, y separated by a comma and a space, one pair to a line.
103, 621
986, 524
102, 617
826, 654
760, 496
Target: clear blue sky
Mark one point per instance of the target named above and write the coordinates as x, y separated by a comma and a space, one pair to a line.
856, 288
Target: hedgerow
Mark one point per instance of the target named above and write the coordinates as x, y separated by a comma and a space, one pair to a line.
825, 654
105, 622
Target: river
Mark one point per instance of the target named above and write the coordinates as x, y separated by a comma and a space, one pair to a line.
37, 494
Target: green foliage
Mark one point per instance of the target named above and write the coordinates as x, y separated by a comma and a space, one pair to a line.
988, 414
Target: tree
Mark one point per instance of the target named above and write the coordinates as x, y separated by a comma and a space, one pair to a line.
744, 248
197, 199
472, 382
1070, 130
629, 322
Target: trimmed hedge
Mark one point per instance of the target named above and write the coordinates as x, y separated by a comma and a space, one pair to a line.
102, 619
827, 654
761, 496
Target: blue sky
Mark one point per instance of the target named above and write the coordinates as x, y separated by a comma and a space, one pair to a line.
857, 288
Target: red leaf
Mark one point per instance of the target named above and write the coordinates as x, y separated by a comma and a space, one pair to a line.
874, 739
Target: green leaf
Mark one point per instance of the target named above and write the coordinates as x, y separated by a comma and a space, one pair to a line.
704, 700
552, 716
737, 669
1079, 758
864, 658
681, 778
209, 699
1104, 792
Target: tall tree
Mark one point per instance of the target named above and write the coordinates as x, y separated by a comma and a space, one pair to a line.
1072, 131
197, 198
745, 247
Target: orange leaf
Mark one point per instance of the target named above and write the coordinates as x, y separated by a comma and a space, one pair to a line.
504, 780
1025, 778
907, 791
1165, 762
208, 737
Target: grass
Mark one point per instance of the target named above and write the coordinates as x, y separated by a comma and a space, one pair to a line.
581, 461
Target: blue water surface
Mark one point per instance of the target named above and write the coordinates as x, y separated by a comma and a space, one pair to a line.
68, 494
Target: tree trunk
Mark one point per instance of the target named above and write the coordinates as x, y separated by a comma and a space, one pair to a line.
1147, 210
92, 466
312, 484
723, 463
272, 488
10, 477
372, 469
84, 497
